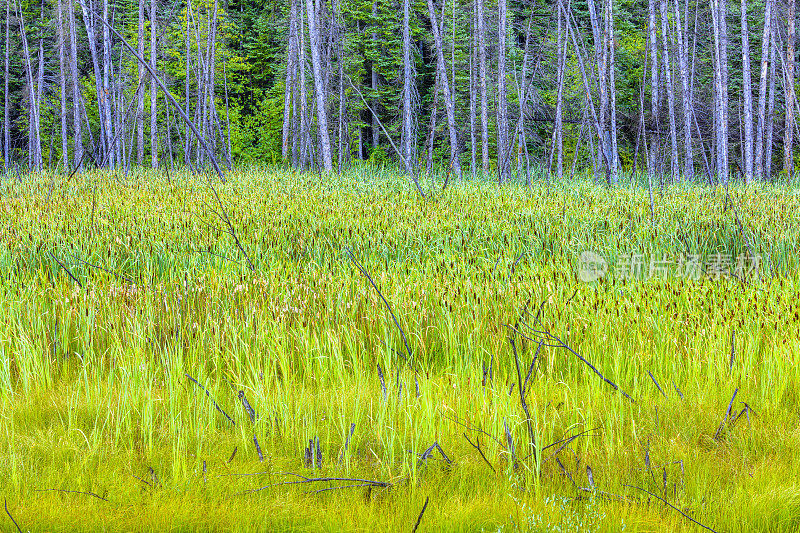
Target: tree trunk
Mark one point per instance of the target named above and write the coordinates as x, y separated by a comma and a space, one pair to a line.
33, 124
187, 147
719, 14
682, 34
106, 91
768, 147
445, 86
290, 78
762, 88
673, 131
6, 117
655, 100
747, 89
408, 83
62, 81
788, 138
482, 86
140, 87
502, 100
613, 90
319, 86
153, 86
376, 133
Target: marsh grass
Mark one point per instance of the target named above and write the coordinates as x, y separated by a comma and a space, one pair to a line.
93, 376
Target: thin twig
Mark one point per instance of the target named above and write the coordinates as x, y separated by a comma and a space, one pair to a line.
5, 503
727, 414
218, 408
66, 270
422, 512
669, 504
72, 492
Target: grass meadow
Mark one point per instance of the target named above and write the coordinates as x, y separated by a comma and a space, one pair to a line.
135, 333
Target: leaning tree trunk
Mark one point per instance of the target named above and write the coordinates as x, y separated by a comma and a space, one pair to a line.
319, 86
290, 78
788, 138
33, 125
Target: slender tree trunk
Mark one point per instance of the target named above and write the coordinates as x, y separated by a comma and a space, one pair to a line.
747, 89
610, 45
673, 131
290, 77
319, 86
473, 95
376, 133
432, 129
6, 117
187, 147
762, 88
788, 138
682, 35
719, 14
445, 86
408, 83
305, 158
655, 100
482, 85
154, 85
62, 82
768, 146
139, 97
502, 99
106, 92
33, 125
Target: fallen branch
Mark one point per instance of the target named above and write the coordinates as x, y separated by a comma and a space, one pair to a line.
72, 492
66, 270
422, 512
669, 504
216, 406
478, 447
5, 503
727, 414
304, 479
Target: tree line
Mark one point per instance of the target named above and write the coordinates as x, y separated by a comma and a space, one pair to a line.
676, 89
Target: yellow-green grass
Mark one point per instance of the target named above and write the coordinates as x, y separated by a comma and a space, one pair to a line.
93, 393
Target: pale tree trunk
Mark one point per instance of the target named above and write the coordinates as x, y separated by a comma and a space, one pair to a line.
109, 129
655, 99
376, 134
682, 34
187, 147
305, 133
673, 131
408, 83
601, 61
76, 88
472, 96
502, 99
62, 79
771, 104
445, 86
482, 85
33, 124
762, 88
6, 117
612, 90
747, 89
719, 14
153, 87
558, 132
432, 129
139, 97
88, 21
39, 93
788, 138
319, 86
290, 77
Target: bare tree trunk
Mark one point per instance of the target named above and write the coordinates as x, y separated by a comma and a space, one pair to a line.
610, 45
408, 83
445, 86
106, 95
62, 79
432, 129
788, 138
673, 131
6, 117
376, 133
482, 85
305, 157
187, 147
290, 77
747, 89
655, 101
682, 33
473, 95
502, 99
139, 97
601, 61
719, 14
154, 86
319, 86
762, 88
768, 148
33, 125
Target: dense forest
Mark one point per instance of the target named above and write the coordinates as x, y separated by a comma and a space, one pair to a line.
679, 89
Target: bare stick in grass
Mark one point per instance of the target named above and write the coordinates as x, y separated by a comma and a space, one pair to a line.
558, 343
435, 446
216, 406
71, 275
5, 503
733, 350
480, 451
247, 407
727, 414
235, 449
258, 450
120, 276
657, 385
72, 492
422, 512
304, 479
364, 272
347, 441
383, 382
672, 506
523, 403
510, 441
677, 389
